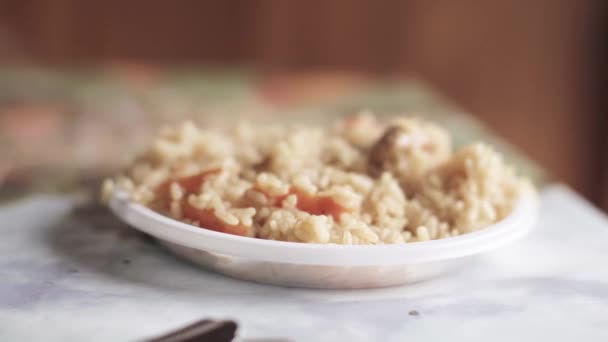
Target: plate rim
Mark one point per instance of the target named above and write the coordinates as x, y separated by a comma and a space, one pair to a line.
516, 225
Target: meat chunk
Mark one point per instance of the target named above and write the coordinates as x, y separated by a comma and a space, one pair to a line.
407, 149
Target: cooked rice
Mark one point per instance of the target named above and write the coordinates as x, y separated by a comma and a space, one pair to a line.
357, 182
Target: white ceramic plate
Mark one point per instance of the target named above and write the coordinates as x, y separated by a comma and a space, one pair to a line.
317, 265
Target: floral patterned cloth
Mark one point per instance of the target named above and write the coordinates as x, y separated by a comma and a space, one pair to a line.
62, 130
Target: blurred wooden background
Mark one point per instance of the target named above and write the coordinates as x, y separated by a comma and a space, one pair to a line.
531, 69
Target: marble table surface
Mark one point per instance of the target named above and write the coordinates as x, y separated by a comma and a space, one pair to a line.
64, 278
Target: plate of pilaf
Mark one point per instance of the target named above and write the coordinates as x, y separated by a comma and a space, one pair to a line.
358, 203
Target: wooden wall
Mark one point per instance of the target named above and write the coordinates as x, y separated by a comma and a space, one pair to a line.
527, 68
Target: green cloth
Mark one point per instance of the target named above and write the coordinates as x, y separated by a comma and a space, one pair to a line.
63, 130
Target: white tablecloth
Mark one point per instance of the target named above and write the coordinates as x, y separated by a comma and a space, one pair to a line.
65, 278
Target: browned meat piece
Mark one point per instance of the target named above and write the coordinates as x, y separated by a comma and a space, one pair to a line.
407, 149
